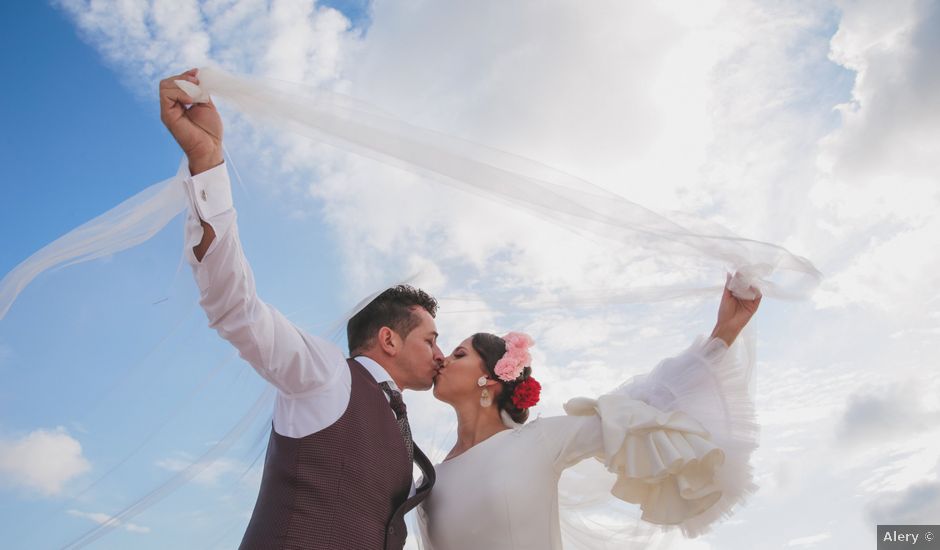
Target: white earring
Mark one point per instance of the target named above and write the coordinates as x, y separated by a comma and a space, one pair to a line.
485, 399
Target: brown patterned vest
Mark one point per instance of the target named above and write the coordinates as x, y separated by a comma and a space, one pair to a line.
344, 487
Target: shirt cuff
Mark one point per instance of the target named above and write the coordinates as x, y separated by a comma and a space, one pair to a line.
210, 192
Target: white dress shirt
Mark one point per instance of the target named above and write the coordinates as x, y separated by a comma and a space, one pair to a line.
310, 373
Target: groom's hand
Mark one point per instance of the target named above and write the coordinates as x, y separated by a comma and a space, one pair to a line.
733, 314
197, 130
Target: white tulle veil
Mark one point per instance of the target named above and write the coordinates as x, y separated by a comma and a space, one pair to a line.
514, 181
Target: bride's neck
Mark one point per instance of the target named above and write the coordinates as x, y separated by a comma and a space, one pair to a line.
475, 424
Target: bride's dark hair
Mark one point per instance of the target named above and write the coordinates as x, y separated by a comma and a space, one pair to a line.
492, 348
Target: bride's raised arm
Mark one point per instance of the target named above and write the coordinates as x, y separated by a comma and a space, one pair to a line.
679, 438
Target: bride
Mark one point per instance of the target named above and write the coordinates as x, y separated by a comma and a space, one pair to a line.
678, 440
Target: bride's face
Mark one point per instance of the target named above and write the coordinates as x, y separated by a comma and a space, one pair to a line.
457, 379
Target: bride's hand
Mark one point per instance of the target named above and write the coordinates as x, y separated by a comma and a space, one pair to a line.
197, 130
733, 314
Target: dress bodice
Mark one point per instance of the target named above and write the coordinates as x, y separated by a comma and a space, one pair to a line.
501, 493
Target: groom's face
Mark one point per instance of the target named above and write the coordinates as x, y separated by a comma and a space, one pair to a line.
421, 357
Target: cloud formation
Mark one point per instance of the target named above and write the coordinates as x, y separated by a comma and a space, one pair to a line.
810, 541
101, 519
43, 461
878, 181
208, 476
893, 412
918, 503
296, 40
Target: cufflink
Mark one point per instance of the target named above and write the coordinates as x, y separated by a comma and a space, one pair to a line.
204, 196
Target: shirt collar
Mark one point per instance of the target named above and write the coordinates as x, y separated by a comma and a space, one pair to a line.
377, 371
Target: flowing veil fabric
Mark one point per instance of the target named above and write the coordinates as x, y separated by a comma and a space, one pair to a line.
498, 175
522, 184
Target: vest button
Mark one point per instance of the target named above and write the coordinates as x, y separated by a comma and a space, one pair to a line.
391, 530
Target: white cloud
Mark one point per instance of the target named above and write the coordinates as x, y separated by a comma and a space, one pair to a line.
43, 461
810, 540
642, 99
101, 519
894, 466
918, 503
580, 97
888, 413
290, 39
211, 475
879, 185
306, 44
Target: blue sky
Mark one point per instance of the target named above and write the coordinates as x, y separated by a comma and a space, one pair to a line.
789, 123
62, 83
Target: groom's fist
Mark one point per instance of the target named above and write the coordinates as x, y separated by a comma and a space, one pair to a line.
197, 129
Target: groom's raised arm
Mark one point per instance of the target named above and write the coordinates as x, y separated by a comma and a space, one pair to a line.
292, 360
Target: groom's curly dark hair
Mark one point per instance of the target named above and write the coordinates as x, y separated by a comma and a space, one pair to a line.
393, 309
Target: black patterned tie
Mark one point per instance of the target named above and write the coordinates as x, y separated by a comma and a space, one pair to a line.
401, 413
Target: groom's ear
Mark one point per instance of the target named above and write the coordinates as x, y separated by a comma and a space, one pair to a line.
389, 341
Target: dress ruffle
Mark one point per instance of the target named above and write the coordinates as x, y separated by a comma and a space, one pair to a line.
680, 438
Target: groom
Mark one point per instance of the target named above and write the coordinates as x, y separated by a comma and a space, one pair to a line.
338, 469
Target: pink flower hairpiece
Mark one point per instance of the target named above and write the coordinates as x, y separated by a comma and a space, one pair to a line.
516, 358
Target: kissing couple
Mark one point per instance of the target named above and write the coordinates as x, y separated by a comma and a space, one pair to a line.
338, 473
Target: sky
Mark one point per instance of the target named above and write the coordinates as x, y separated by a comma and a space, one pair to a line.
809, 124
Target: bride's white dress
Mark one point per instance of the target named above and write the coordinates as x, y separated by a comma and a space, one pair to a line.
679, 440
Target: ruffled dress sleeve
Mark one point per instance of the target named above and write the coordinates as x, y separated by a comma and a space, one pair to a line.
679, 438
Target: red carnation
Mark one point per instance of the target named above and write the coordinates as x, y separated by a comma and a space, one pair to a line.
526, 393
